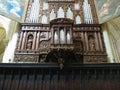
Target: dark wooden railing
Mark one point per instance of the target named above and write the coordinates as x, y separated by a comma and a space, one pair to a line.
36, 76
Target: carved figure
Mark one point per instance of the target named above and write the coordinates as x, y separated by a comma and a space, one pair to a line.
29, 42
92, 43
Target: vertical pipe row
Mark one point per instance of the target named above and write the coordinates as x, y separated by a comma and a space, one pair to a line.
88, 18
34, 14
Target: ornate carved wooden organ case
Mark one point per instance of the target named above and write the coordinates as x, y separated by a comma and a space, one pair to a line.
61, 31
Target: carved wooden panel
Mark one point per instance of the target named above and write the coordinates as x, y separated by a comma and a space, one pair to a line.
55, 25
26, 58
95, 58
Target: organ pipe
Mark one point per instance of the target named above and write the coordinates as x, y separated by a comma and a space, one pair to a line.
62, 36
55, 38
34, 14
68, 38
88, 19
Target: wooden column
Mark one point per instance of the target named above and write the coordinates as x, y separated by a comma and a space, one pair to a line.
52, 40
37, 41
100, 40
34, 40
20, 41
83, 40
86, 40
96, 41
71, 35
24, 40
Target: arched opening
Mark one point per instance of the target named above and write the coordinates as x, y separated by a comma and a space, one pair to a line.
69, 13
79, 49
60, 13
91, 41
67, 56
78, 19
52, 15
29, 42
44, 19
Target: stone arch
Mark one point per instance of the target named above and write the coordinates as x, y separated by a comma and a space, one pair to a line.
2, 32
114, 35
2, 37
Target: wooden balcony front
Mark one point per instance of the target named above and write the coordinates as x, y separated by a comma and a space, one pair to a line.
36, 76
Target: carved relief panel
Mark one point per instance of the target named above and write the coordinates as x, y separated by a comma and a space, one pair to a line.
44, 41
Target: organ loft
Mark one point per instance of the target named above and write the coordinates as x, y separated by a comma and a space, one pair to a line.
62, 32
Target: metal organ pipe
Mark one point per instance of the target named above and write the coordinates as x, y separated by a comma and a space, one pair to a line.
62, 36
68, 38
55, 38
34, 14
88, 19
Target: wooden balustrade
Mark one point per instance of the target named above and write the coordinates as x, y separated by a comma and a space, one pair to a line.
49, 76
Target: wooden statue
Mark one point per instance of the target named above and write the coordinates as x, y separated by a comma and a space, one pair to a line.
29, 42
